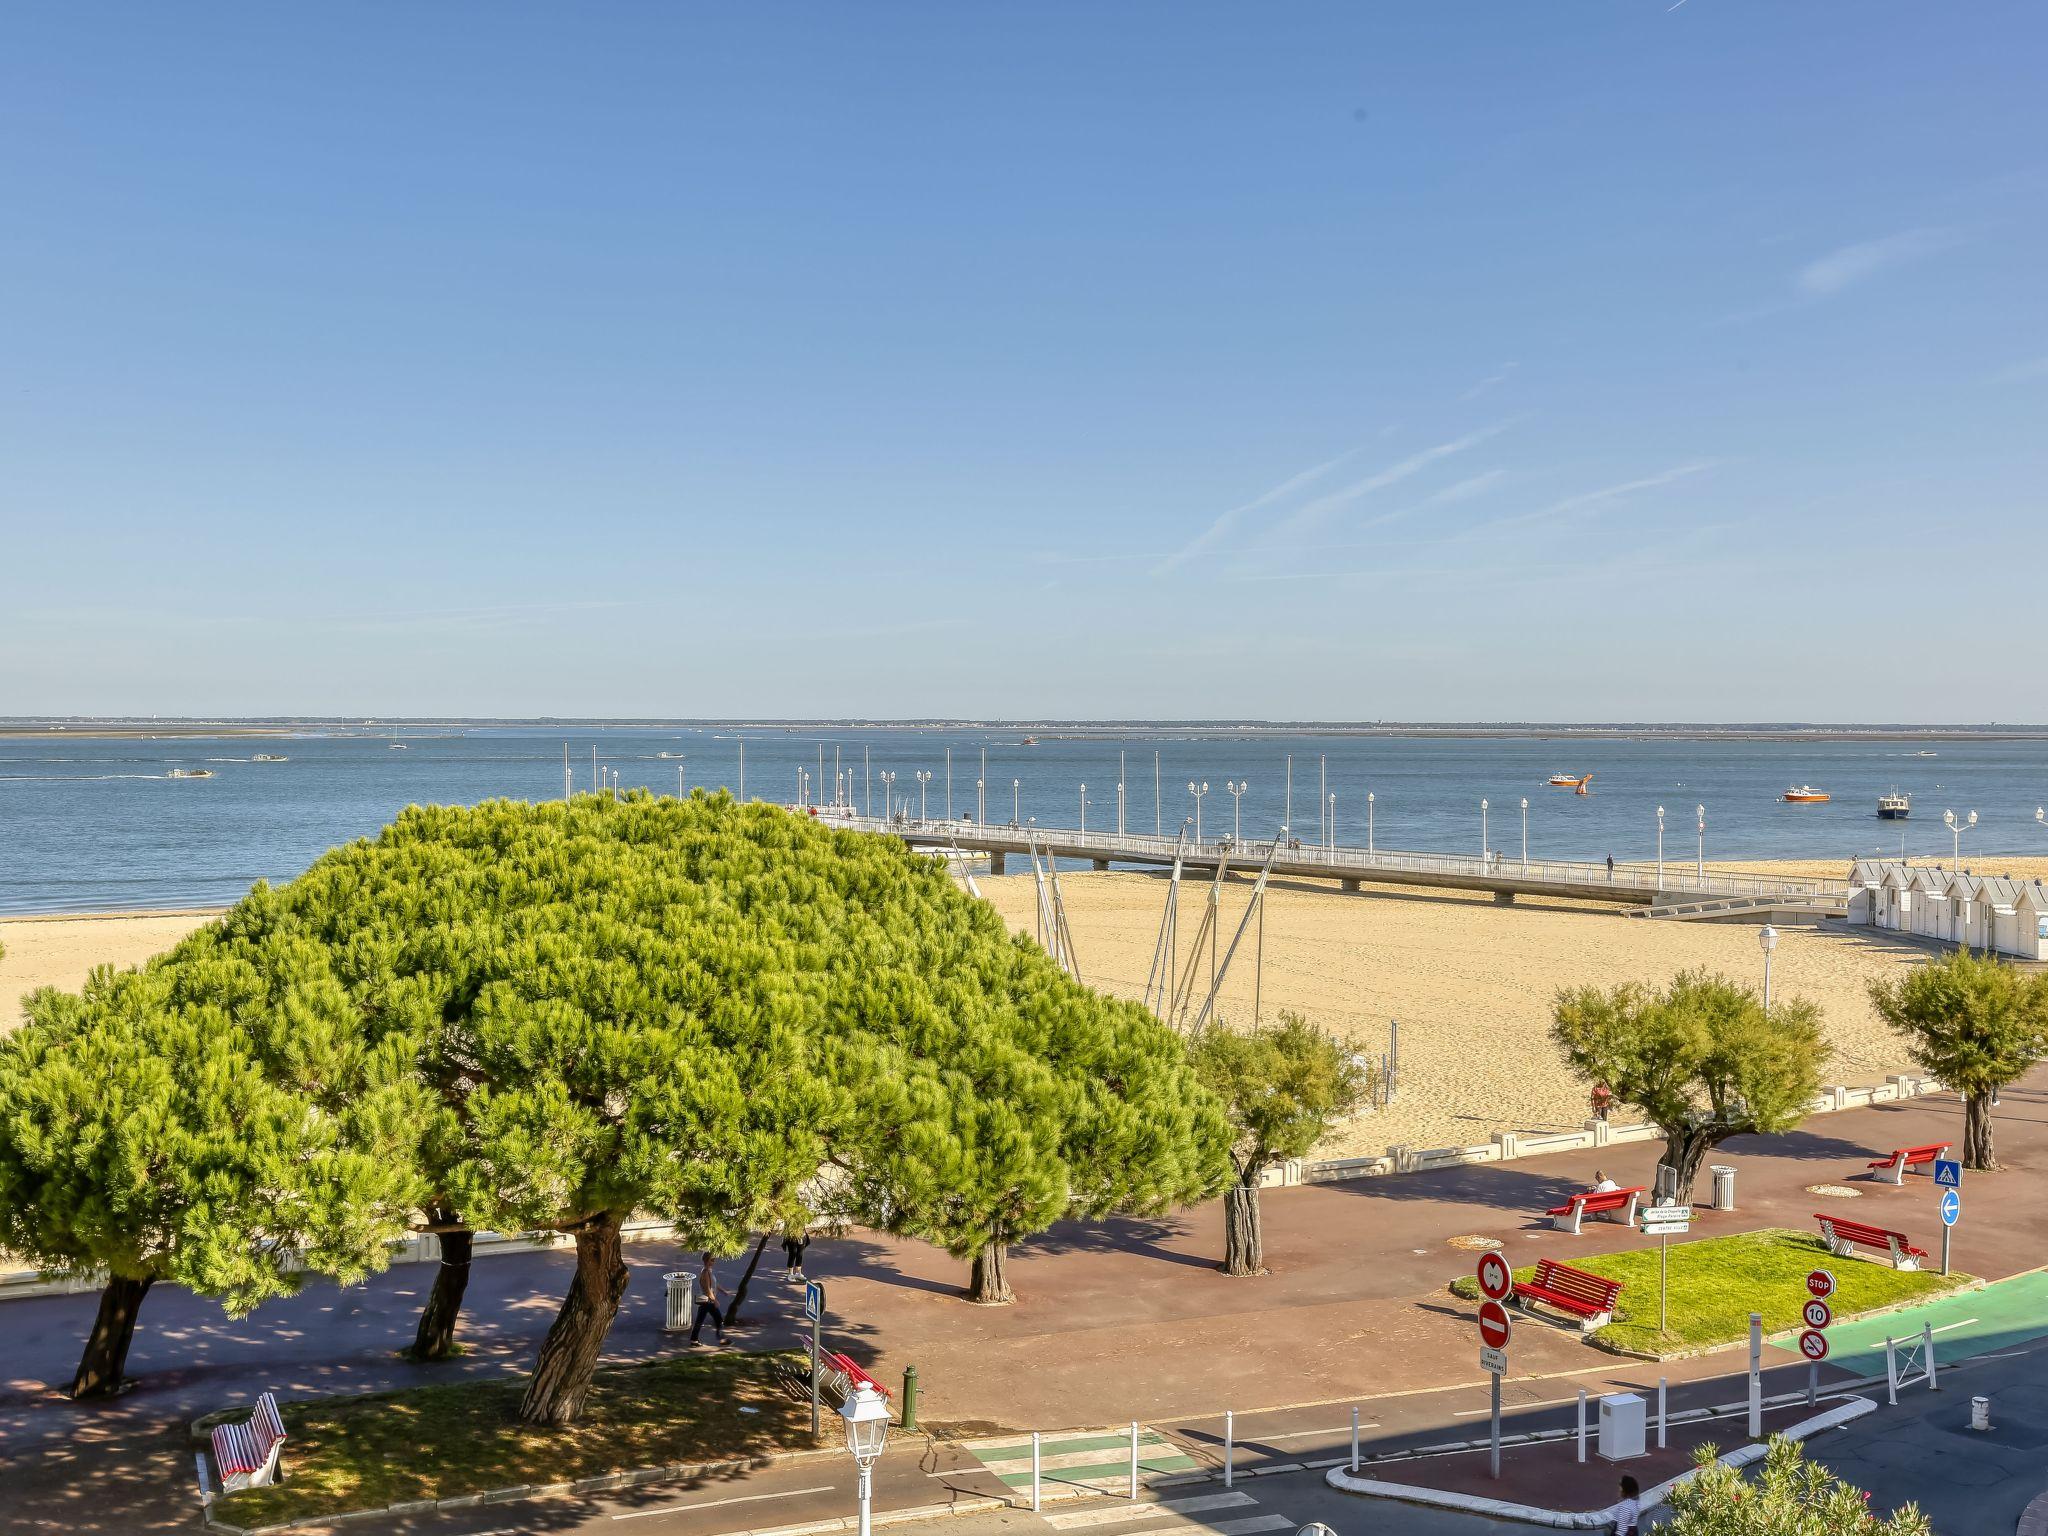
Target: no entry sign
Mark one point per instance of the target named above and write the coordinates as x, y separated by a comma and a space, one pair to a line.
1818, 1314
1820, 1283
1494, 1326
1813, 1344
1496, 1279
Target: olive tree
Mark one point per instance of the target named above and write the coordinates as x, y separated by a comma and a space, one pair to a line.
1282, 1086
1976, 1024
1703, 1060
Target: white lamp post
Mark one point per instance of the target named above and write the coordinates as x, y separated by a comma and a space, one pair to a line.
1119, 794
1701, 869
1084, 807
1368, 821
1016, 813
866, 1418
1482, 828
1525, 830
924, 777
1198, 793
888, 778
1660, 847
1956, 830
1330, 821
1236, 801
1767, 939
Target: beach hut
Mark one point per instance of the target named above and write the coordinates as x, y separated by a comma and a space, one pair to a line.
1866, 879
1893, 900
1990, 920
1928, 906
2030, 921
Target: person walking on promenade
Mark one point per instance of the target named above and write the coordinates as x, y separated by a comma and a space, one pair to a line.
707, 1302
1610, 866
1629, 1511
793, 1246
1602, 1100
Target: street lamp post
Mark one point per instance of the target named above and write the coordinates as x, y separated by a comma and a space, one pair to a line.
1767, 940
1236, 802
1368, 821
1482, 827
866, 1417
1198, 792
1660, 847
1084, 807
924, 777
1330, 820
1525, 830
1700, 870
1956, 830
1016, 788
888, 778
1119, 794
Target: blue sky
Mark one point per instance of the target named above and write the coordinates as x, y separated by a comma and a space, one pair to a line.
1573, 361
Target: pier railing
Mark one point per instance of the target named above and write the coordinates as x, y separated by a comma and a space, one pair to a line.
1625, 882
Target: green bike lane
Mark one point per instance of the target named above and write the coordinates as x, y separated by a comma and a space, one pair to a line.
1965, 1323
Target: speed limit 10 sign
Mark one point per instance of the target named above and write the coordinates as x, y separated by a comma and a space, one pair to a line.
1818, 1313
1820, 1284
1496, 1279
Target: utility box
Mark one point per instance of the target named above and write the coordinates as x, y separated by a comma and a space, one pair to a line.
1622, 1419
681, 1290
1724, 1188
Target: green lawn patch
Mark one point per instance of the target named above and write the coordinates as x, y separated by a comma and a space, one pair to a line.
349, 1453
1717, 1282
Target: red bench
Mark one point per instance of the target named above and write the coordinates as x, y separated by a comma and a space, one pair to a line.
843, 1376
247, 1455
1572, 1291
1895, 1163
1845, 1237
1595, 1202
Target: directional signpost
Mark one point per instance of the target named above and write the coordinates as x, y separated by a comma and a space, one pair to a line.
1817, 1314
1497, 1283
814, 1309
1948, 1178
1662, 1222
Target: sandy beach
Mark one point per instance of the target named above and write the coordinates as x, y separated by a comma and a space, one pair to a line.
1471, 982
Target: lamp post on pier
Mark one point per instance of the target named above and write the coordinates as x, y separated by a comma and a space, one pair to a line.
1660, 847
1700, 869
1482, 827
1330, 820
1119, 794
1368, 821
888, 778
1956, 830
1525, 831
1198, 793
1236, 802
1016, 789
924, 777
1084, 807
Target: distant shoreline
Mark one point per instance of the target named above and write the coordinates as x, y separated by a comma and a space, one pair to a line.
1075, 730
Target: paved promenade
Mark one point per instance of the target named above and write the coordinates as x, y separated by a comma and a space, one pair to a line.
1117, 1321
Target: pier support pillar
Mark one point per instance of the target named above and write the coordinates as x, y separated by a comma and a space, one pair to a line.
1504, 898
995, 863
1349, 885
1099, 863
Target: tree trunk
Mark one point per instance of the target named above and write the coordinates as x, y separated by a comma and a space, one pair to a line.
435, 1339
991, 1286
568, 1355
113, 1330
1244, 1249
1685, 1149
739, 1292
1977, 1132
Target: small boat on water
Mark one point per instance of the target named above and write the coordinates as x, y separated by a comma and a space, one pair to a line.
1806, 794
1030, 741
668, 754
1894, 806
398, 746
1570, 780
190, 773
269, 757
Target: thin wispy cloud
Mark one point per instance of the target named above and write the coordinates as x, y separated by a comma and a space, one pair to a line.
1852, 264
1450, 495
1492, 380
1319, 510
1226, 521
1586, 501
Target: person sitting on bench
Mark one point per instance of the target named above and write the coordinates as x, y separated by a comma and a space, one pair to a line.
1602, 1184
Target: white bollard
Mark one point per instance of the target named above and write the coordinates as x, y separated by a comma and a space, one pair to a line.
1891, 1375
1980, 1413
1229, 1439
1034, 1471
1354, 1439
1582, 1424
1134, 1460
1927, 1351
1660, 1412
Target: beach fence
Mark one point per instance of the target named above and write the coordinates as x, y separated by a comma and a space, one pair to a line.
1382, 1069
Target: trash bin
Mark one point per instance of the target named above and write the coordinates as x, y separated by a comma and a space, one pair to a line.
1622, 1417
1724, 1188
681, 1289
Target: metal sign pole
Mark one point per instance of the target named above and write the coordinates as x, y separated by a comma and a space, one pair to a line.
1663, 1284
814, 1377
1496, 1423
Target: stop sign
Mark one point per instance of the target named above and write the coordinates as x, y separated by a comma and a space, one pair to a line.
1494, 1327
1495, 1278
1813, 1345
1820, 1283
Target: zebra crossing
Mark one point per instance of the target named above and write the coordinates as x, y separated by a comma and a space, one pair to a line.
1099, 1462
1220, 1514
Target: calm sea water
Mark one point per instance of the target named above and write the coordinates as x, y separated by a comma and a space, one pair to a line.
94, 823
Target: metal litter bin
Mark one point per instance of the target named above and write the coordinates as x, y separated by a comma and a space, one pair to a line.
1724, 1188
681, 1293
